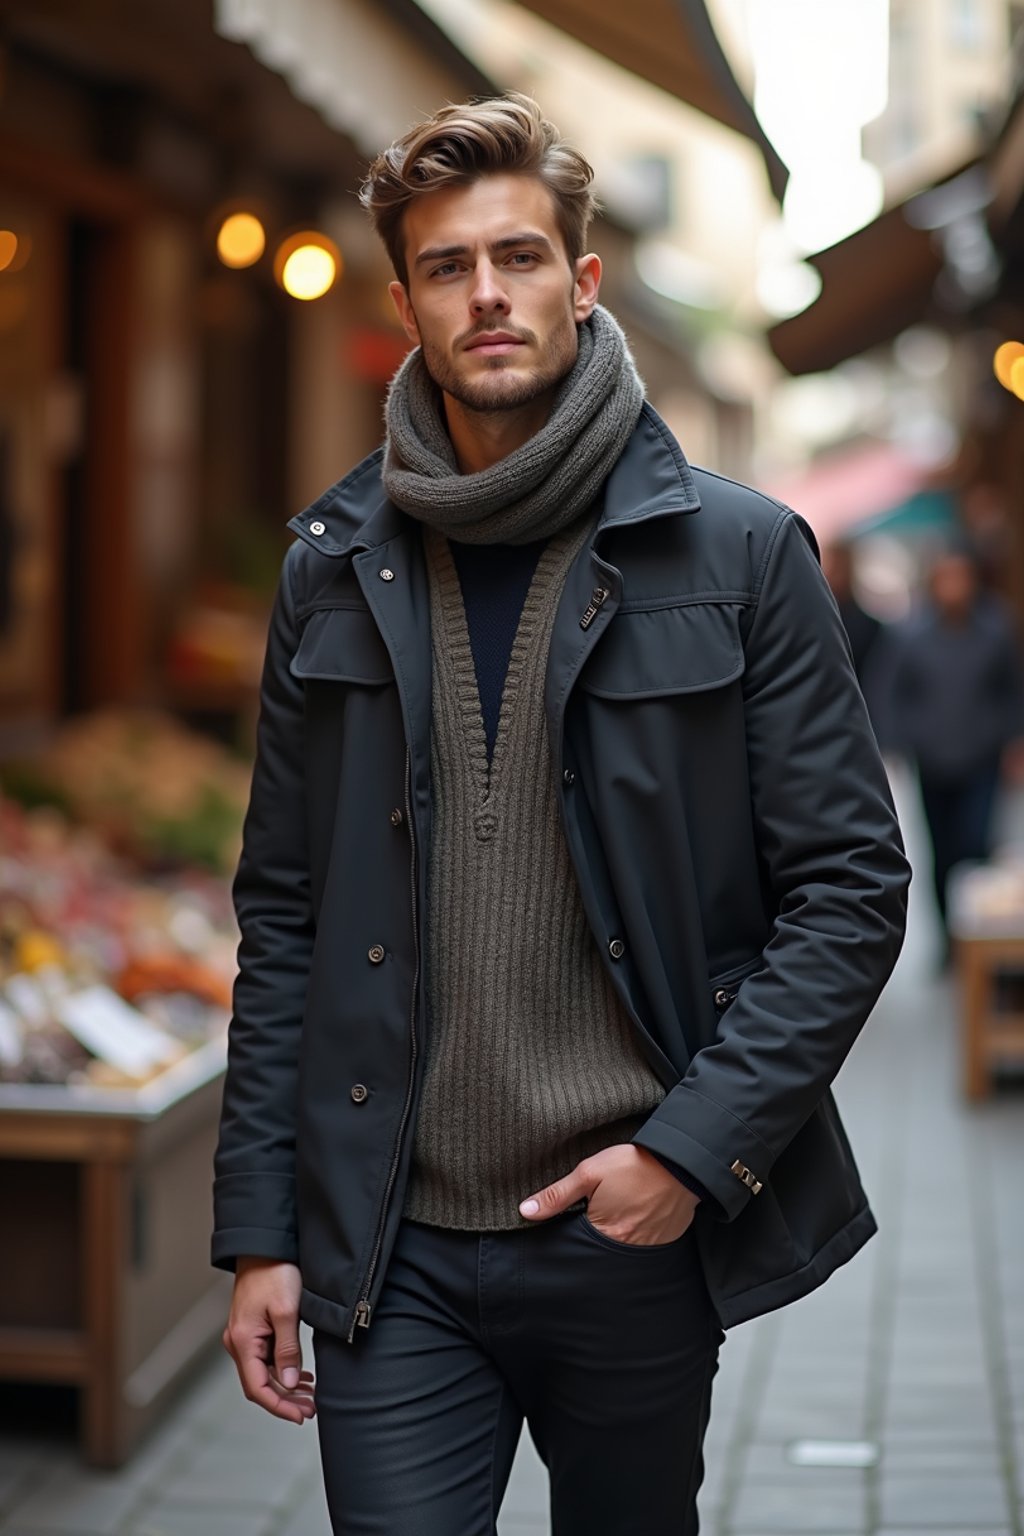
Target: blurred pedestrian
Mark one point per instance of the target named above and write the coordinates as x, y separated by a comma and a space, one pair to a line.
569, 877
862, 628
954, 704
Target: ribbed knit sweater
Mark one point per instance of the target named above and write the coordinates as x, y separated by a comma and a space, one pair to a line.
532, 1062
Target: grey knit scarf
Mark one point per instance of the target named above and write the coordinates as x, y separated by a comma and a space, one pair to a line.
541, 487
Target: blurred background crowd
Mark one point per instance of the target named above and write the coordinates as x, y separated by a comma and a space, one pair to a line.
813, 232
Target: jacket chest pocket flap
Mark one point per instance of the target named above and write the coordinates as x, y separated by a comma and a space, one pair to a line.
342, 645
686, 648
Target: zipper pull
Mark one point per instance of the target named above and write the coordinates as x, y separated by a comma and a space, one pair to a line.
590, 612
362, 1314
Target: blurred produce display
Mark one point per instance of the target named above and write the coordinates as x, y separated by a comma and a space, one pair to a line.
216, 646
117, 936
156, 791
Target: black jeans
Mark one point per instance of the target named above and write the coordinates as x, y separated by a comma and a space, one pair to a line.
607, 1351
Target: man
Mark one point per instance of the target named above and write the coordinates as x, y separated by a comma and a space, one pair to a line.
863, 630
570, 876
953, 703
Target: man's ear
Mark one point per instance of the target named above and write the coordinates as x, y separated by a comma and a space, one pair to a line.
406, 313
585, 289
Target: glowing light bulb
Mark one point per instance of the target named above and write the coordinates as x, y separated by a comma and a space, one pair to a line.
1006, 356
8, 248
241, 240
307, 265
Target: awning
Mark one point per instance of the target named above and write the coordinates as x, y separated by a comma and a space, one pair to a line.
673, 44
369, 67
925, 515
874, 284
1006, 175
854, 487
932, 256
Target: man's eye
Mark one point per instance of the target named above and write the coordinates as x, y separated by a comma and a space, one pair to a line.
444, 269
523, 257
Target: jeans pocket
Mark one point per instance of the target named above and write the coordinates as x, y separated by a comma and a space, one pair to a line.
616, 1246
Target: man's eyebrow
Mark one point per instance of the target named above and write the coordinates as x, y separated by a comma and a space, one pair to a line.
440, 253
506, 243
528, 237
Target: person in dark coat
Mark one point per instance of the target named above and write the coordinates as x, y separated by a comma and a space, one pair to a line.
954, 705
864, 632
570, 875
862, 628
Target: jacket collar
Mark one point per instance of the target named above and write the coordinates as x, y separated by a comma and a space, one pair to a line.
651, 479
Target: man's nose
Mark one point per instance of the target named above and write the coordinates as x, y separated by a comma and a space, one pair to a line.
488, 293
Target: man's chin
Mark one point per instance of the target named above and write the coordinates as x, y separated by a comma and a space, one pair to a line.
503, 390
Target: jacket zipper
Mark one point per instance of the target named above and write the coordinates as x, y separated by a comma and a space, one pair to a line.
590, 612
363, 1310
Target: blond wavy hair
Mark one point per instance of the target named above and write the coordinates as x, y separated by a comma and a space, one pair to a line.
499, 135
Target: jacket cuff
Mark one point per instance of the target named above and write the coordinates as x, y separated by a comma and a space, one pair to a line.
254, 1213
252, 1242
715, 1147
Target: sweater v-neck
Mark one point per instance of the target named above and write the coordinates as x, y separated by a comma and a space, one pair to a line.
494, 580
488, 771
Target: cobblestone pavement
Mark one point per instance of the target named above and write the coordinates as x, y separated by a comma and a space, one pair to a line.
916, 1348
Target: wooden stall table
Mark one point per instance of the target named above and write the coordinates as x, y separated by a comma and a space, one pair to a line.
105, 1281
987, 925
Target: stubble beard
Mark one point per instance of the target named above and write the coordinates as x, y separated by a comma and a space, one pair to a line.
501, 389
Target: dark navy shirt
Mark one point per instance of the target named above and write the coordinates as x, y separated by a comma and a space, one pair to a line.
495, 579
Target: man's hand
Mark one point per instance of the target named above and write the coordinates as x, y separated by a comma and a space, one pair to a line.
630, 1197
262, 1337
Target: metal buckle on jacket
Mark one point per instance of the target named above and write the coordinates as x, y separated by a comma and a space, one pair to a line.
745, 1176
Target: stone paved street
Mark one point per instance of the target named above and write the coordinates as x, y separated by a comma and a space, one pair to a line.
917, 1348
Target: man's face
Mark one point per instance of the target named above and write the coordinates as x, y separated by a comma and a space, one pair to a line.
954, 585
492, 298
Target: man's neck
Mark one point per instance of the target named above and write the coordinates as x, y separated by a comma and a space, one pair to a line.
482, 438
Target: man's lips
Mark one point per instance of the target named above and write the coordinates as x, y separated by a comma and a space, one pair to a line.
493, 343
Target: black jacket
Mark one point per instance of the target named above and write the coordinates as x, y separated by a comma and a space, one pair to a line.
730, 826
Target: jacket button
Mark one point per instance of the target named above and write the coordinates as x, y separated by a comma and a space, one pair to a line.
317, 528
376, 953
396, 817
722, 998
387, 575
616, 948
568, 778
359, 1093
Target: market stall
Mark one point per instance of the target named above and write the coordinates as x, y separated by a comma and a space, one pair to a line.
117, 953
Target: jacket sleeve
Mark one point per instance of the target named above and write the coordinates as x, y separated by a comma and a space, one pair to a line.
835, 877
254, 1187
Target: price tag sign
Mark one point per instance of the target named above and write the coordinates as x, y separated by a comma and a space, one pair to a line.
117, 1033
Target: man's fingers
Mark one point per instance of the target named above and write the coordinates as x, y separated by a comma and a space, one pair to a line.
558, 1196
260, 1387
287, 1350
